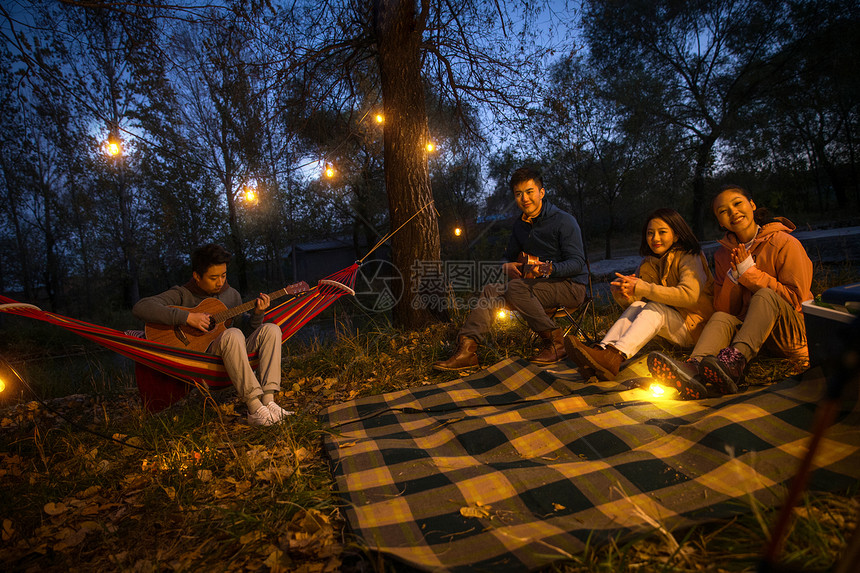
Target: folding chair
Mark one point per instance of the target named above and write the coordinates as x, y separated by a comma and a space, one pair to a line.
577, 314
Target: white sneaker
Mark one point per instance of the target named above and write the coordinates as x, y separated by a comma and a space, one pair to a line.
278, 413
262, 417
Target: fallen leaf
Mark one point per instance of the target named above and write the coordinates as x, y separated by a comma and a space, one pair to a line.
478, 512
250, 536
204, 475
52, 508
91, 491
277, 561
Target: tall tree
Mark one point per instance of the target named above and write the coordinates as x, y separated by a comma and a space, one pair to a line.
457, 48
695, 65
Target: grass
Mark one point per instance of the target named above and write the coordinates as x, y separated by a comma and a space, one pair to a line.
91, 481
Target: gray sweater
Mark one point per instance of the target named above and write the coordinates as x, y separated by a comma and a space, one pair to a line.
158, 309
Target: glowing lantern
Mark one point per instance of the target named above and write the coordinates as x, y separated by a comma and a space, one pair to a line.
430, 147
458, 231
112, 146
329, 171
379, 118
502, 314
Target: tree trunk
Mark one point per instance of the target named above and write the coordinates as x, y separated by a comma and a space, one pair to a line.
236, 240
128, 242
700, 203
407, 177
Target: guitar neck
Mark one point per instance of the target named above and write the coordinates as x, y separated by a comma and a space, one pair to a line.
226, 315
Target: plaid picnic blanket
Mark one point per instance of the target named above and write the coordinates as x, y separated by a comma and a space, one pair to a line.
516, 467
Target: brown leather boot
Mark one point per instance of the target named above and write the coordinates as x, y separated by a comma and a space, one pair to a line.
604, 361
571, 344
464, 357
553, 347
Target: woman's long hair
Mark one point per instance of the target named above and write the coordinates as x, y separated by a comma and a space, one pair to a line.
685, 240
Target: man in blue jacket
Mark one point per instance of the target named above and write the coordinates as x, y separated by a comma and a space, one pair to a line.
551, 235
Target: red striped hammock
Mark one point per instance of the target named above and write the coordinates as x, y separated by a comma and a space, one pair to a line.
197, 368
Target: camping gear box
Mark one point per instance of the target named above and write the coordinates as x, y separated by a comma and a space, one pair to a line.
827, 324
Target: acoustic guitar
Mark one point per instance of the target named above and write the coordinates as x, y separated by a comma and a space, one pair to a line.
189, 338
533, 267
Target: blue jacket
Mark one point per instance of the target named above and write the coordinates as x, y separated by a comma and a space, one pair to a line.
553, 235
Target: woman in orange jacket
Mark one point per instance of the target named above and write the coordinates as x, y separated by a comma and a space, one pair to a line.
762, 275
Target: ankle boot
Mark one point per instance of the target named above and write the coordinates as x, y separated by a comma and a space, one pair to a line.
605, 362
553, 350
573, 346
464, 357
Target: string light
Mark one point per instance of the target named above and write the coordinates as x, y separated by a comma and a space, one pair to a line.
112, 147
249, 191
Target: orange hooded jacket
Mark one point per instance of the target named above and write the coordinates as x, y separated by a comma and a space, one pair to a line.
781, 264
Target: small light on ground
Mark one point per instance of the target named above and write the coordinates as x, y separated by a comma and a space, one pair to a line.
657, 390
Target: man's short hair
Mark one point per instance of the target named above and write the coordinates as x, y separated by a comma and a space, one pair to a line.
208, 255
526, 174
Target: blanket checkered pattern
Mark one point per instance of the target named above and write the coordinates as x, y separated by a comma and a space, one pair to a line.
516, 467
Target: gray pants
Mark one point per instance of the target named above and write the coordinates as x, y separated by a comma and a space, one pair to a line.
770, 320
529, 297
233, 349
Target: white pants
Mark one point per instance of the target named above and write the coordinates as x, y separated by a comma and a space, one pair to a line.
641, 322
233, 349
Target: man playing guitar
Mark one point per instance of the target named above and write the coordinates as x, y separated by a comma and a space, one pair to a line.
543, 233
175, 307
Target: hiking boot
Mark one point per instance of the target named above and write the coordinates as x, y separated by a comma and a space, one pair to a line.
278, 413
604, 362
725, 371
464, 357
261, 417
571, 344
553, 348
684, 376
